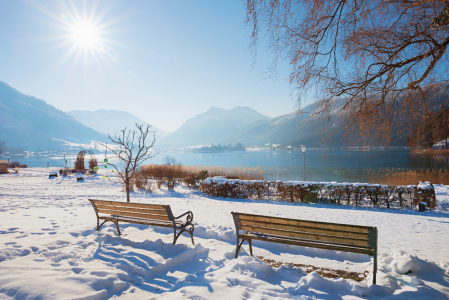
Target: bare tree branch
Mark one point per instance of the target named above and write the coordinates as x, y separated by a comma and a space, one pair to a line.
125, 144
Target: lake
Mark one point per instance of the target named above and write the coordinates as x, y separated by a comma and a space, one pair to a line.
350, 166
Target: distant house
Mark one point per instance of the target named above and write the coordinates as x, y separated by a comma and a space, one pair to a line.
441, 145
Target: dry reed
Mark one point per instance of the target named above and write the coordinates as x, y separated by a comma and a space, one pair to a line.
389, 176
407, 177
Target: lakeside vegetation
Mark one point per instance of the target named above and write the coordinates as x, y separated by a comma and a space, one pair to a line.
388, 176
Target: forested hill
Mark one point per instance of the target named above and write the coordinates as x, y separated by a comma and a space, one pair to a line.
293, 129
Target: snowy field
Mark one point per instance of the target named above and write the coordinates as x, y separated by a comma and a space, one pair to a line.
49, 248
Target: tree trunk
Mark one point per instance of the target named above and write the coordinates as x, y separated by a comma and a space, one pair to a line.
127, 187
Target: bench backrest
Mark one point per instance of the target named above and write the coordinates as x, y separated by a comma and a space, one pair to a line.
136, 210
345, 234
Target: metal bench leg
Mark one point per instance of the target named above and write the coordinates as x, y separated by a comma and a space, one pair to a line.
99, 226
118, 229
238, 245
250, 248
189, 231
174, 237
237, 250
375, 266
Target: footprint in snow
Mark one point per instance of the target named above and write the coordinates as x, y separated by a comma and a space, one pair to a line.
99, 274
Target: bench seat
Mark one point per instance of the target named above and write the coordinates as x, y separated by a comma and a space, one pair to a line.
322, 235
142, 213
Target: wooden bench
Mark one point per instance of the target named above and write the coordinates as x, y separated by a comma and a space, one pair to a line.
331, 236
139, 213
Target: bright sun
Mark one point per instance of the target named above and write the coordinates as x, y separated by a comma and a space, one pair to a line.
85, 35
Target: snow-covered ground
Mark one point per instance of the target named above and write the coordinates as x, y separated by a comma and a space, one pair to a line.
49, 248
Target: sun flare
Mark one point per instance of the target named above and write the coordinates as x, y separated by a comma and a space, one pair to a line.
85, 35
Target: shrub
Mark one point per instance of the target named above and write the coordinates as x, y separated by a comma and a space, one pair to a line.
141, 181
196, 181
3, 169
14, 164
306, 192
191, 181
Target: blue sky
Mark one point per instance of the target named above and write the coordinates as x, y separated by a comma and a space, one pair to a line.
163, 61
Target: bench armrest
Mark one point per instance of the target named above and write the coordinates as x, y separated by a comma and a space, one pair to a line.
189, 216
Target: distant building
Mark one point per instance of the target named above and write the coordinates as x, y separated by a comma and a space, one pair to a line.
441, 145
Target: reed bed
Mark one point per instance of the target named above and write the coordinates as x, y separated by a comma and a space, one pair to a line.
406, 176
388, 176
246, 173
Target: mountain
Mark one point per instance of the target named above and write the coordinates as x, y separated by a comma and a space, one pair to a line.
112, 121
29, 123
292, 129
213, 126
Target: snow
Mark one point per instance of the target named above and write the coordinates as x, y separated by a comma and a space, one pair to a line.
425, 185
224, 180
49, 247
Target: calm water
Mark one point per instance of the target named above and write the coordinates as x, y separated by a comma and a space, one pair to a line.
320, 166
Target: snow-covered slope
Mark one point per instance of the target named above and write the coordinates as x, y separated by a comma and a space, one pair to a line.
49, 248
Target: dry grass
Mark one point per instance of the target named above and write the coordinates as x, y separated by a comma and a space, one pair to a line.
325, 272
389, 176
407, 177
243, 173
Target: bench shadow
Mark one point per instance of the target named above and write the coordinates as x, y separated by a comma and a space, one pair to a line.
144, 273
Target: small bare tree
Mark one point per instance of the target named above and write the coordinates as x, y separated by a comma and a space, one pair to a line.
133, 149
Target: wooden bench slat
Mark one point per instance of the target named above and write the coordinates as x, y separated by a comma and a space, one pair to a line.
330, 236
132, 214
140, 221
129, 204
131, 209
303, 235
267, 236
301, 223
315, 245
142, 213
333, 232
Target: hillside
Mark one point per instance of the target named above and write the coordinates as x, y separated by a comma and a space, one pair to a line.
111, 121
291, 129
213, 126
29, 123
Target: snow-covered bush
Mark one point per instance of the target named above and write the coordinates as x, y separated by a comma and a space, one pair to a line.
356, 194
